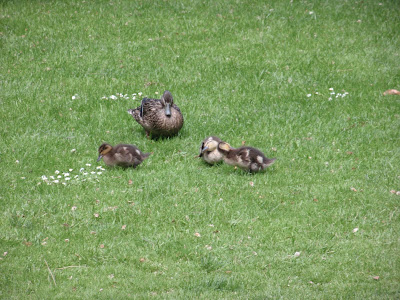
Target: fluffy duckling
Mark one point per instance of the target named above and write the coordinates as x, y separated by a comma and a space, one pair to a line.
158, 117
209, 150
122, 155
246, 158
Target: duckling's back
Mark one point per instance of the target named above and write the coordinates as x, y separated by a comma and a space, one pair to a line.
128, 155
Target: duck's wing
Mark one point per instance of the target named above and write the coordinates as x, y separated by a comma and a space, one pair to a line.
244, 154
125, 154
148, 105
142, 106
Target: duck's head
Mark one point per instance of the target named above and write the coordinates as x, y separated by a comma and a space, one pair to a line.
103, 150
224, 147
209, 146
167, 102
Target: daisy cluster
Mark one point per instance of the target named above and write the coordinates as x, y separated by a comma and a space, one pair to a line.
332, 94
70, 177
119, 96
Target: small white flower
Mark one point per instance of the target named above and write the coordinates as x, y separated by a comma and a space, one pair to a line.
67, 178
44, 177
76, 176
66, 174
73, 150
311, 12
51, 177
355, 230
98, 167
56, 181
113, 97
59, 176
156, 93
331, 89
81, 169
133, 98
57, 172
85, 173
308, 95
92, 172
316, 93
23, 177
297, 254
73, 97
329, 98
70, 170
17, 161
64, 183
88, 165
99, 173
140, 94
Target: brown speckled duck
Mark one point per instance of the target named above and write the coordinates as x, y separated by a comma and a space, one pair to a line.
158, 117
209, 150
122, 155
246, 158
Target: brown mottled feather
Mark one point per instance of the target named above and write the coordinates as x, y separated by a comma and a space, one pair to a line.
122, 155
152, 116
246, 158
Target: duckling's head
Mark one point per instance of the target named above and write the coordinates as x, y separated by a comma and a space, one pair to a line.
103, 150
224, 147
167, 102
209, 146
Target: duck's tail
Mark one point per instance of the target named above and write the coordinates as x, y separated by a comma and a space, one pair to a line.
269, 161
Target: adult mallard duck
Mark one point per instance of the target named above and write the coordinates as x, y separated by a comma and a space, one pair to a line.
122, 155
159, 117
246, 158
209, 150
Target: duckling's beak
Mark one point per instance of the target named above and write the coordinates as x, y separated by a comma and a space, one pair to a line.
167, 109
100, 157
204, 149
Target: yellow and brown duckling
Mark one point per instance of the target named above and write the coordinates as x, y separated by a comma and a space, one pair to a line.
158, 117
246, 158
122, 155
209, 150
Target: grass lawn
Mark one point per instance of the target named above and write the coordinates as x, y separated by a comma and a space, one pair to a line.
301, 80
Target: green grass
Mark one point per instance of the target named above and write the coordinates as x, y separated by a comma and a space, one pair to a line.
241, 71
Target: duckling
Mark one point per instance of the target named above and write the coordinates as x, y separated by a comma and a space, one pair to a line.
158, 117
122, 155
209, 150
246, 158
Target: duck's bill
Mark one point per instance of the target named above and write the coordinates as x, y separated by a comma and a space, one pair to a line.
100, 157
168, 109
202, 150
